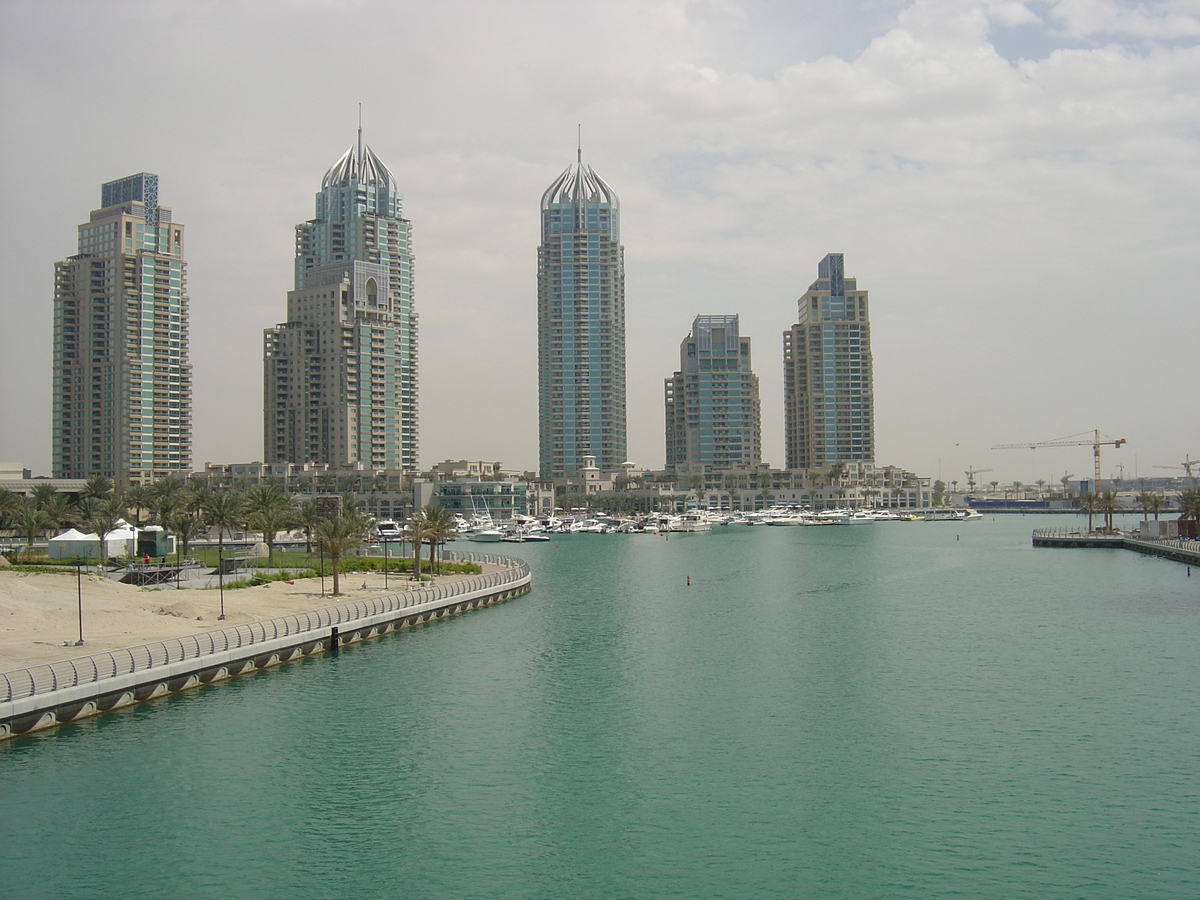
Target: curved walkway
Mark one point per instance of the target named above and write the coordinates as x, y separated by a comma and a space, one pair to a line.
39, 691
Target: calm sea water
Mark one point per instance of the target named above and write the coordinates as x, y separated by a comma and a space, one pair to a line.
891, 710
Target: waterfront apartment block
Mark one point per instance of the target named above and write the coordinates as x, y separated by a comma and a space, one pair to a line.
713, 417
122, 402
340, 375
581, 324
829, 405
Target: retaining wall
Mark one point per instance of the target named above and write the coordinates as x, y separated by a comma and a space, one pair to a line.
44, 696
1184, 551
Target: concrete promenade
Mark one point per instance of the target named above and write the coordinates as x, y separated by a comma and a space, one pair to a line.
1180, 550
43, 696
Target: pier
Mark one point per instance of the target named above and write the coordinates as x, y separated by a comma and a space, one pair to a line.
1179, 549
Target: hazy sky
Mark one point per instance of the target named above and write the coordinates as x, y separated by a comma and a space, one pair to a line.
1016, 184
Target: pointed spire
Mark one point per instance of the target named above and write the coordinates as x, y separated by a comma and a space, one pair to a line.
360, 132
579, 140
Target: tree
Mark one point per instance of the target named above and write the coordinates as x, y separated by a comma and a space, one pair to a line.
417, 532
308, 517
103, 517
98, 487
337, 536
939, 490
1089, 505
30, 522
1189, 506
1108, 502
1146, 501
226, 510
166, 495
10, 504
60, 511
440, 529
137, 498
994, 484
268, 511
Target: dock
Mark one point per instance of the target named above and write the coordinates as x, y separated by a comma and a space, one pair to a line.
1179, 549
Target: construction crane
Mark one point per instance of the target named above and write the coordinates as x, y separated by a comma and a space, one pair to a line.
971, 473
1186, 465
1095, 443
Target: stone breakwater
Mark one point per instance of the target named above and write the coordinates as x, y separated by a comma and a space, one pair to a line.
43, 696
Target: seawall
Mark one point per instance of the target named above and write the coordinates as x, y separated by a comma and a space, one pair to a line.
43, 696
1183, 551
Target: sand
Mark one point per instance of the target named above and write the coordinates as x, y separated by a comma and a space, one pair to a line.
39, 613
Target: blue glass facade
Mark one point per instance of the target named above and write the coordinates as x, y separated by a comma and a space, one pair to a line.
829, 397
581, 325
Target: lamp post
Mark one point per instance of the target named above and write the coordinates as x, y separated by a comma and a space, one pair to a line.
79, 591
385, 563
321, 551
221, 579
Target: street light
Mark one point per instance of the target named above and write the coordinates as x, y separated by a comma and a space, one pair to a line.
79, 591
221, 579
385, 563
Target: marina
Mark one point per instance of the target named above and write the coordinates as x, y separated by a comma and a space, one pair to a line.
767, 712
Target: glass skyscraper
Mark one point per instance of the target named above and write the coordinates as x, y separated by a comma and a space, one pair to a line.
712, 408
122, 403
341, 373
581, 325
829, 396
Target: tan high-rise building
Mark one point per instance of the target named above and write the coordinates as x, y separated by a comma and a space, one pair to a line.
828, 390
713, 418
122, 403
341, 372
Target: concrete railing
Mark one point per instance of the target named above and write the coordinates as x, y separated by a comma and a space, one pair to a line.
43, 679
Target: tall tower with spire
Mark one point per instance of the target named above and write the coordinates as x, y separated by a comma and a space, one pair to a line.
340, 375
581, 325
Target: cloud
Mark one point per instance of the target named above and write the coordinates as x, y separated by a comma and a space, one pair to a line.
1088, 18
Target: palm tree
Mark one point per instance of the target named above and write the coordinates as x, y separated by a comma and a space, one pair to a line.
1089, 505
441, 528
1146, 501
337, 536
98, 486
417, 531
103, 515
10, 503
137, 498
225, 510
1189, 508
269, 511
30, 521
60, 511
166, 495
1108, 502
308, 517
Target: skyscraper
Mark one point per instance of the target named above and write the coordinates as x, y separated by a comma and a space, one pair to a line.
341, 373
712, 407
122, 403
581, 325
828, 391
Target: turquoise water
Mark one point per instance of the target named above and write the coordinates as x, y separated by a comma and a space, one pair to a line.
891, 710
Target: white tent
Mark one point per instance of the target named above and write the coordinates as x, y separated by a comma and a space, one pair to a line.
72, 543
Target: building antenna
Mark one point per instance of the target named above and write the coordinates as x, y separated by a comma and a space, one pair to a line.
360, 131
579, 146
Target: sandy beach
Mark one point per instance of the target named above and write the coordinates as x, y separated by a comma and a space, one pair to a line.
39, 613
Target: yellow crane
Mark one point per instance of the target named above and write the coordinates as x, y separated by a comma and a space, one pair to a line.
1095, 443
971, 473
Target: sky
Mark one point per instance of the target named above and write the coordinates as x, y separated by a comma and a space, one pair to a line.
1017, 185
